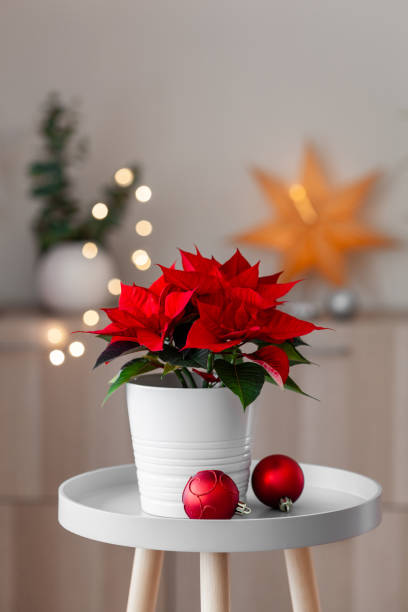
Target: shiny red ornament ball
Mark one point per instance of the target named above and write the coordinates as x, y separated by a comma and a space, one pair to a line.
275, 478
210, 494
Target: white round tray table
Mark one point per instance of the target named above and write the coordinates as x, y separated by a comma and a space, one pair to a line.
336, 504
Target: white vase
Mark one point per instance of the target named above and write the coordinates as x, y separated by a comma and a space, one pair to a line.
176, 432
68, 282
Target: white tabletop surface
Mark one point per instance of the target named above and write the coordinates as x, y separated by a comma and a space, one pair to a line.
104, 505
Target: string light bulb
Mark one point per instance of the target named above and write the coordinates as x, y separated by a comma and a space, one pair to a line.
144, 266
89, 250
55, 335
140, 257
57, 357
114, 286
124, 177
100, 211
143, 227
90, 318
143, 193
77, 349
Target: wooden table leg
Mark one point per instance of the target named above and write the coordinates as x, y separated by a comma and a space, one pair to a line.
214, 579
144, 584
302, 580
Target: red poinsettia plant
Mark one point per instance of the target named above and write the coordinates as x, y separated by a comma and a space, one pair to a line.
213, 322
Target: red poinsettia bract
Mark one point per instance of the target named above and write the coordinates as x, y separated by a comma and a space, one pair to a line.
200, 320
144, 316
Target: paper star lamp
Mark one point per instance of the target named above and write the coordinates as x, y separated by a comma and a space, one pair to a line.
315, 223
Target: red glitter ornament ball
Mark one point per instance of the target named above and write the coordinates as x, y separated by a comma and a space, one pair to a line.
278, 480
210, 494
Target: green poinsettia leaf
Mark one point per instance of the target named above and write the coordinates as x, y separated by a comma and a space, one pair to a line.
105, 337
197, 357
293, 354
180, 333
133, 368
116, 350
244, 379
168, 368
190, 358
170, 355
234, 356
290, 385
299, 342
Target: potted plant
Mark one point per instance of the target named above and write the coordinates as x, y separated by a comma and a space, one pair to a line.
203, 341
74, 266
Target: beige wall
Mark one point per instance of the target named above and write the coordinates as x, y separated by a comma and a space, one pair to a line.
197, 92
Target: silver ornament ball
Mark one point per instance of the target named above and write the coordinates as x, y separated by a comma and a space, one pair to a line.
342, 304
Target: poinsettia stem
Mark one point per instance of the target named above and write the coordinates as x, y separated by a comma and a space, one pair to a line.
189, 377
210, 362
234, 354
210, 367
181, 378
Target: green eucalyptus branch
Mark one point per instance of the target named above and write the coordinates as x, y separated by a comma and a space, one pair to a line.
59, 218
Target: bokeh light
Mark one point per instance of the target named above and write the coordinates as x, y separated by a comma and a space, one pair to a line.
124, 177
57, 357
140, 257
297, 192
302, 203
76, 348
144, 266
114, 286
56, 335
90, 317
143, 193
143, 227
89, 250
100, 210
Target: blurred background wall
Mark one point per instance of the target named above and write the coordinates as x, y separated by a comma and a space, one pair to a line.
197, 93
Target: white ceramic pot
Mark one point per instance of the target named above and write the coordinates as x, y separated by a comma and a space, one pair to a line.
176, 432
68, 282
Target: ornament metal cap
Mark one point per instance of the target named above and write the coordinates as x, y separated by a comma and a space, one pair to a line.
285, 504
242, 508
